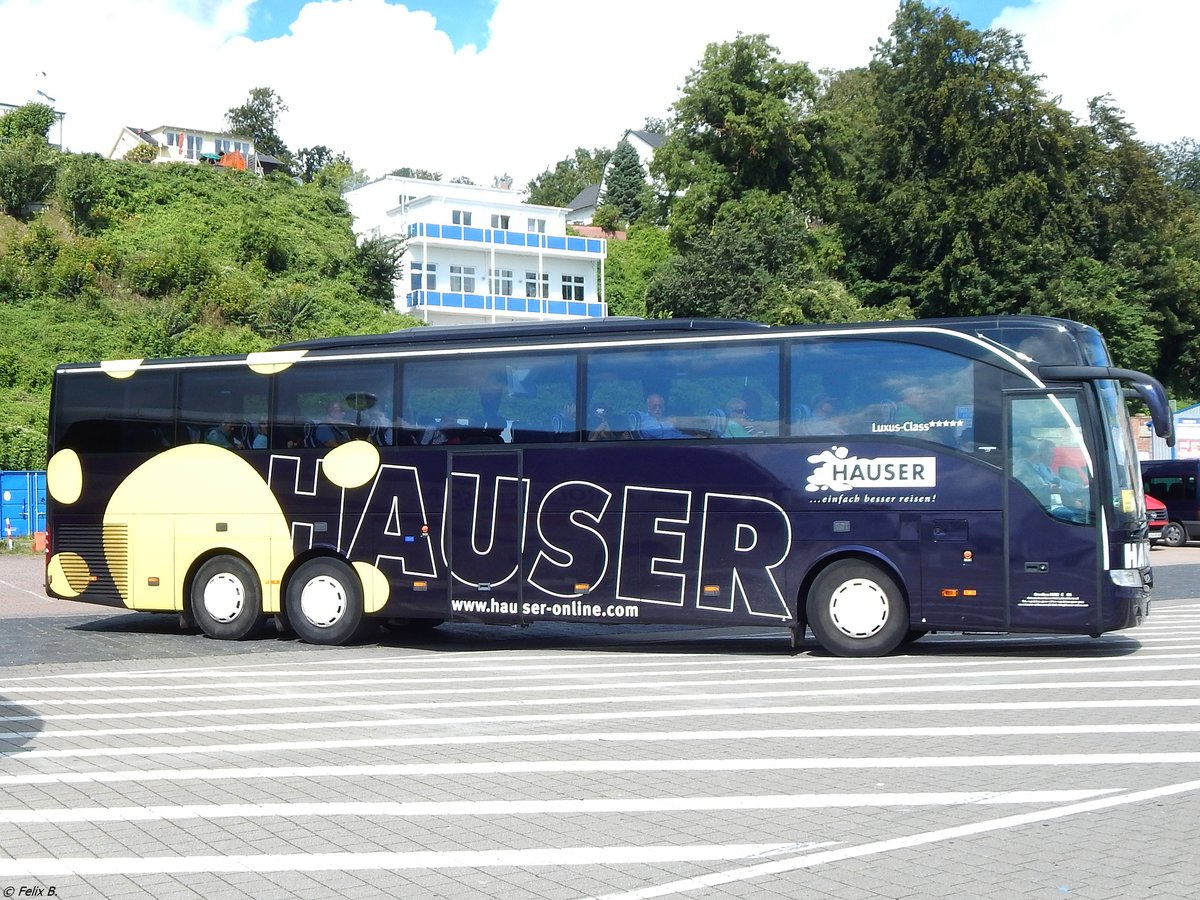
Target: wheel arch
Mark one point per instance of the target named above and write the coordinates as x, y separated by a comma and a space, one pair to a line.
185, 606
308, 555
860, 554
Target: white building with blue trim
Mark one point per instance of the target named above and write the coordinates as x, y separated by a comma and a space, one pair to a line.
479, 255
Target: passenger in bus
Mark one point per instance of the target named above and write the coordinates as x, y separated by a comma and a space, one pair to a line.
222, 436
260, 439
823, 417
1034, 470
332, 432
914, 405
600, 423
376, 426
653, 424
443, 430
738, 422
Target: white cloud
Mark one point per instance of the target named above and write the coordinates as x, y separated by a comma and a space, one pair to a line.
380, 83
1140, 53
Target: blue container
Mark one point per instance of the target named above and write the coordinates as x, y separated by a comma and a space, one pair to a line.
22, 503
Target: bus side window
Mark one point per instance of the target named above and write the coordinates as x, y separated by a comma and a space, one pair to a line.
216, 404
522, 397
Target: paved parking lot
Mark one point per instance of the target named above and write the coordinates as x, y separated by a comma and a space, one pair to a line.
567, 763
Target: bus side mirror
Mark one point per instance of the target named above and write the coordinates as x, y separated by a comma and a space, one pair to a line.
1149, 390
1160, 411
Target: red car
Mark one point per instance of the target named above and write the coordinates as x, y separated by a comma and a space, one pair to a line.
1156, 514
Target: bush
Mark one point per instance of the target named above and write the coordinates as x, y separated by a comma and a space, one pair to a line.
142, 153
27, 170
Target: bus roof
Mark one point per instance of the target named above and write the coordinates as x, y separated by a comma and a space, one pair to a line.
613, 325
1058, 341
1049, 340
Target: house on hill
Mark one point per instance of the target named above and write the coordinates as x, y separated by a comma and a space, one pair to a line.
583, 206
479, 255
189, 145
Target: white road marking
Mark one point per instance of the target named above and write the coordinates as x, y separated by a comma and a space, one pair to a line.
886, 846
440, 809
473, 687
476, 663
432, 770
701, 712
607, 737
351, 862
21, 590
611, 700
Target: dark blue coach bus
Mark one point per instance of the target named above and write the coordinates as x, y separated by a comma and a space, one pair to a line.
871, 482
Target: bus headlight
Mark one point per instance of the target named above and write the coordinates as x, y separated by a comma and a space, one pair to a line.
1126, 577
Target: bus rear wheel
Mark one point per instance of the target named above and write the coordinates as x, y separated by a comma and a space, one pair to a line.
226, 599
324, 602
856, 609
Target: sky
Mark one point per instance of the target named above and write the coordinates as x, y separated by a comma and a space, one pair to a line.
485, 88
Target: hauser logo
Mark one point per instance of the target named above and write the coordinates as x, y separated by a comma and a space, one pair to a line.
837, 470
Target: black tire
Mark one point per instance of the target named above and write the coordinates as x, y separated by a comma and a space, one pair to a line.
324, 602
226, 599
1174, 534
856, 609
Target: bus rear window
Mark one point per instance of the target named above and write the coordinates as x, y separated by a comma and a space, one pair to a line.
97, 413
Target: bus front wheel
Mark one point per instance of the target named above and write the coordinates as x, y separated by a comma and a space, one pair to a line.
226, 599
324, 602
856, 609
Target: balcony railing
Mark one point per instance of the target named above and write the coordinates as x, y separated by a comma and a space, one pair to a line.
501, 237
500, 304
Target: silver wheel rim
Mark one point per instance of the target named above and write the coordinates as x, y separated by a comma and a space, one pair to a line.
859, 608
224, 597
323, 601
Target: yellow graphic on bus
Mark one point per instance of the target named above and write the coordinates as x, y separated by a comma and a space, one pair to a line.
185, 503
64, 477
68, 574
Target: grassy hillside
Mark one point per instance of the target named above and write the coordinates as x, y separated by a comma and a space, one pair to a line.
135, 260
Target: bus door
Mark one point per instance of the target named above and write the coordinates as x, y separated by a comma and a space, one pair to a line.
483, 533
1052, 528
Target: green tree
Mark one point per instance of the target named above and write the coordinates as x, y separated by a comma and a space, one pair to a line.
756, 259
340, 176
81, 192
34, 119
625, 183
738, 126
143, 153
656, 124
258, 119
310, 160
407, 172
27, 171
966, 196
322, 167
1180, 165
378, 263
561, 184
607, 217
630, 266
